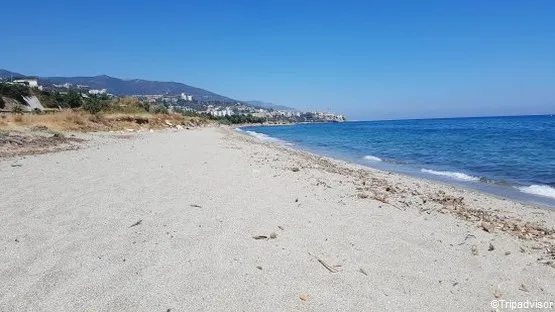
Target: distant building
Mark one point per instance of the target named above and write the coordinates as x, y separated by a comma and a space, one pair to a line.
66, 85
186, 97
221, 113
31, 82
96, 91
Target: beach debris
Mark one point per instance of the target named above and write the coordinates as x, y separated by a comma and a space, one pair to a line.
303, 297
523, 288
325, 265
17, 165
17, 240
295, 169
196, 206
136, 223
507, 253
281, 227
167, 122
362, 195
488, 227
491, 247
497, 293
38, 128
273, 235
361, 270
296, 200
257, 237
466, 237
474, 250
259, 267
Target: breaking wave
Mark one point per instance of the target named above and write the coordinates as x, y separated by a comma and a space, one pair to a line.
454, 175
541, 190
371, 158
262, 136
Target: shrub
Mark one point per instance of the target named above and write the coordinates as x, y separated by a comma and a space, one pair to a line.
158, 109
2, 103
17, 109
178, 110
95, 106
144, 106
73, 99
14, 91
224, 121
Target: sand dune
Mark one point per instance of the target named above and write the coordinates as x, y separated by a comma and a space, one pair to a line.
165, 221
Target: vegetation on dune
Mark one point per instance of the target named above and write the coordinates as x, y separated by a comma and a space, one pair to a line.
74, 111
80, 120
239, 119
16, 92
87, 112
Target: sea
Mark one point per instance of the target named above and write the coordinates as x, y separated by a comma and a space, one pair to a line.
512, 157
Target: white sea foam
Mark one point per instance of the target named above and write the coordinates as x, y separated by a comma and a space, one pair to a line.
541, 190
371, 158
454, 175
262, 136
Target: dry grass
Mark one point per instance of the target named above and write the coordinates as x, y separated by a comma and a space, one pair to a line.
70, 120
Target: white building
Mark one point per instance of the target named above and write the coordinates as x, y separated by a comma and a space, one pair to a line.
30, 82
66, 85
222, 113
96, 91
186, 97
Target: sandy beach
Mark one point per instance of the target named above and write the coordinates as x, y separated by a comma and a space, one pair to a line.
208, 219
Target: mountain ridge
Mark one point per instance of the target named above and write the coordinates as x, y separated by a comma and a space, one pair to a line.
122, 87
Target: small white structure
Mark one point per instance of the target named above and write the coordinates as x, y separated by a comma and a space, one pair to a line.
96, 91
186, 97
29, 82
222, 113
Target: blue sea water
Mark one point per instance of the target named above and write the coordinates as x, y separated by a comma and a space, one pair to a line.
508, 156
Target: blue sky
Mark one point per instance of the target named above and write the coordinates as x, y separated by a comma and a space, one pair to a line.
367, 59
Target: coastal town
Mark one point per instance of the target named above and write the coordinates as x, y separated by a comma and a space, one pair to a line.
181, 102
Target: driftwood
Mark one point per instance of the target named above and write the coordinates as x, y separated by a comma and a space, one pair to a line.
324, 264
136, 223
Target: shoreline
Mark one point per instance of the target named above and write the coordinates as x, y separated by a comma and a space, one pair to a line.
212, 219
353, 166
510, 191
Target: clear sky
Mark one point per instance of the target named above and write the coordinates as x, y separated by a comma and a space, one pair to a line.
367, 59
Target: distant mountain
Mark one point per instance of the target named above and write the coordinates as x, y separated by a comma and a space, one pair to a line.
267, 105
121, 87
8, 74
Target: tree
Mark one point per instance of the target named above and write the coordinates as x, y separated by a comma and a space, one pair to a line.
2, 103
73, 99
95, 106
158, 109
